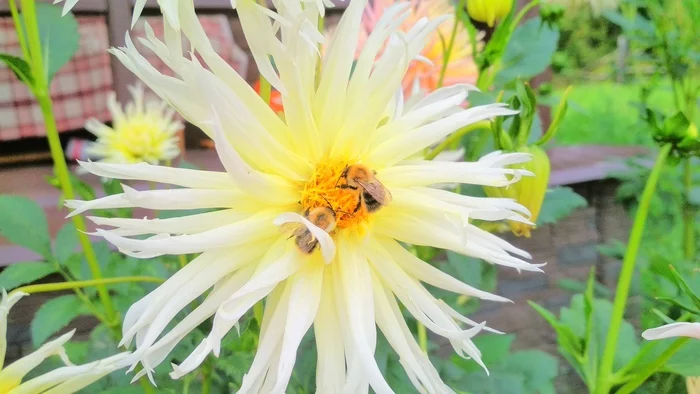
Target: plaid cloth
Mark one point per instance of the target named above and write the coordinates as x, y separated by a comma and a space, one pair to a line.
79, 90
218, 31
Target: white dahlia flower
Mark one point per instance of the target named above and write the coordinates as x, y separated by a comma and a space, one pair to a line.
312, 209
144, 131
68, 379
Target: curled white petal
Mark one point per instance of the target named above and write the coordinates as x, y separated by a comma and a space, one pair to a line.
324, 239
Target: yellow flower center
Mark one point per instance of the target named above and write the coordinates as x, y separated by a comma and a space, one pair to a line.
325, 189
140, 139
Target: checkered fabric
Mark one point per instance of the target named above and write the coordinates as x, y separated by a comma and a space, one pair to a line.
79, 90
218, 31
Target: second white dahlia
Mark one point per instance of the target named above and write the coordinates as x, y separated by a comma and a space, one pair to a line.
312, 209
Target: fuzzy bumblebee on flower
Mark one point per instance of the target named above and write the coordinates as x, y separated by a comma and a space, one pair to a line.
313, 207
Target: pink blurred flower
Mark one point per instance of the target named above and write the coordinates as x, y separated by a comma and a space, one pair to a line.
421, 75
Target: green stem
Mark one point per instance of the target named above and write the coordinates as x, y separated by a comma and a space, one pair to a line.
20, 37
422, 337
41, 91
628, 264
49, 287
454, 137
448, 51
186, 384
644, 374
206, 381
258, 311
146, 386
689, 212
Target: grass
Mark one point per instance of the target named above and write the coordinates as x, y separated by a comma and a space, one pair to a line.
604, 113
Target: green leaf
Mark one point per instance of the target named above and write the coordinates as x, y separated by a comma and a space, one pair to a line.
559, 203
494, 348
59, 37
20, 67
694, 196
683, 285
685, 361
676, 125
566, 337
574, 318
537, 367
66, 242
24, 272
497, 383
557, 119
23, 222
529, 51
53, 316
466, 269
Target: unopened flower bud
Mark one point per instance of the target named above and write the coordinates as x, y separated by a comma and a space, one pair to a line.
529, 191
489, 11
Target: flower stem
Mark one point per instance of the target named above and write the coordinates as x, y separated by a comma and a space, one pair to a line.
689, 214
49, 287
422, 337
41, 91
448, 51
625, 280
456, 136
659, 362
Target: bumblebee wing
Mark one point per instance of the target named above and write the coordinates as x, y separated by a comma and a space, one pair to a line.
376, 190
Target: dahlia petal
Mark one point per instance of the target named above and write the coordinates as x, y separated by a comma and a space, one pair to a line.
5, 305
172, 199
406, 144
425, 272
304, 300
269, 344
18, 369
426, 173
195, 179
143, 311
255, 228
434, 106
179, 225
157, 353
691, 330
70, 379
418, 367
268, 188
330, 367
357, 293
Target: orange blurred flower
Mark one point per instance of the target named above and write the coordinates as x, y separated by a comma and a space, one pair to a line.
275, 98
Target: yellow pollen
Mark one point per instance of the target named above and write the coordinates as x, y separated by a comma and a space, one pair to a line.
323, 190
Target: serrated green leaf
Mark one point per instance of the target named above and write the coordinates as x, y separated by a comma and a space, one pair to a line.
53, 315
20, 67
559, 203
59, 37
21, 273
66, 242
23, 222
